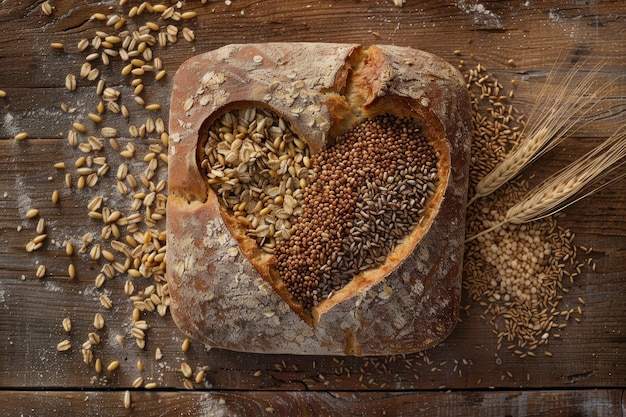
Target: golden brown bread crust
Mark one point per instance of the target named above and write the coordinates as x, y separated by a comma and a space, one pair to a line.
224, 289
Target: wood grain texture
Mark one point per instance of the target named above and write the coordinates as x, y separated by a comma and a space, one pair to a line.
604, 403
589, 361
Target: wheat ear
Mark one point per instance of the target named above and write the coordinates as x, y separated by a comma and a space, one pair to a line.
551, 120
551, 195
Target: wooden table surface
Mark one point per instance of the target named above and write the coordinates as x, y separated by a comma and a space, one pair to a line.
466, 375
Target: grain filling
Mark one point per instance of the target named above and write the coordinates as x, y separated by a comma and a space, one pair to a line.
325, 217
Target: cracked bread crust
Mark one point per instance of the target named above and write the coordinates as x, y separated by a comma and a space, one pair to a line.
223, 288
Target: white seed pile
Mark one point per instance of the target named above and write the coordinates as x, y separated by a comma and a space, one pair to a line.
121, 183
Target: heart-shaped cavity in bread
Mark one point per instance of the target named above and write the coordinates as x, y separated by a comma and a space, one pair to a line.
321, 226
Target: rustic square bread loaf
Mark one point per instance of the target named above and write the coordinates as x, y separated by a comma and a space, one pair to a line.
317, 198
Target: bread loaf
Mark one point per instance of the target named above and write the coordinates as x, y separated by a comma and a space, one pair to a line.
242, 269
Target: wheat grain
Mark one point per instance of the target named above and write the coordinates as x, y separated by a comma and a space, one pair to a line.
41, 226
96, 118
106, 301
113, 366
98, 365
186, 370
64, 345
138, 382
98, 321
46, 8
200, 376
127, 400
186, 344
70, 82
67, 324
32, 213
41, 271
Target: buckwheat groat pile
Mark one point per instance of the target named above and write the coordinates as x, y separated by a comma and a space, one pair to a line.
367, 194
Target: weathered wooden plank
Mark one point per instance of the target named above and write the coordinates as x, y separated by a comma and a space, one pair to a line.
496, 34
601, 403
422, 25
591, 353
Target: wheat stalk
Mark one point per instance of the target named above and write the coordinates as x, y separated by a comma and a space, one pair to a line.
551, 196
552, 119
